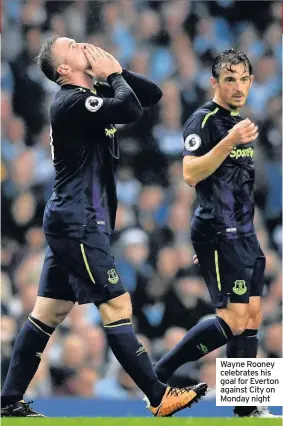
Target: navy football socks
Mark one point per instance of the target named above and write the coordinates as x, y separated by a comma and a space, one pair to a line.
26, 355
243, 346
134, 359
203, 338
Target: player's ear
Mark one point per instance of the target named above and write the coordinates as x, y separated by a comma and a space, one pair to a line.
213, 82
251, 80
63, 69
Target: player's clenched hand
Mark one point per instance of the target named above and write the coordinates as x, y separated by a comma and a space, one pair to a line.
244, 132
101, 64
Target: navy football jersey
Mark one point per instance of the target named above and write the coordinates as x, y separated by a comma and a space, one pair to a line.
225, 198
85, 153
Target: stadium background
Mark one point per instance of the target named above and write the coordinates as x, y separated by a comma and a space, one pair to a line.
173, 43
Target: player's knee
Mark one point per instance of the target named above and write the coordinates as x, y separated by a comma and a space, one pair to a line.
237, 320
57, 318
239, 328
255, 313
255, 320
51, 312
240, 324
116, 309
52, 319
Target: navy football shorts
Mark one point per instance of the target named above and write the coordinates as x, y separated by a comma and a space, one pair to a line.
80, 270
233, 269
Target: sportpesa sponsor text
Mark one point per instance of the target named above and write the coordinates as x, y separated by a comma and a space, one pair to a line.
241, 153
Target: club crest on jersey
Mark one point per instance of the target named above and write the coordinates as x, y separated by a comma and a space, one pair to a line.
240, 287
192, 142
92, 103
113, 277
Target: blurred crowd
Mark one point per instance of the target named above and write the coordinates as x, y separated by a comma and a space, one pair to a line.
173, 43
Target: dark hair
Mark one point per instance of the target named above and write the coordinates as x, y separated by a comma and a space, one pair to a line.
227, 58
45, 59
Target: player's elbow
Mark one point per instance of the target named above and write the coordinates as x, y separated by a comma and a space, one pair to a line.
134, 113
191, 182
155, 96
189, 179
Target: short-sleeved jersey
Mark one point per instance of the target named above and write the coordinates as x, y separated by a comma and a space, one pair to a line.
85, 152
225, 198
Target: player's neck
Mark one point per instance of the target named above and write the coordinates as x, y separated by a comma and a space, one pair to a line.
219, 102
81, 79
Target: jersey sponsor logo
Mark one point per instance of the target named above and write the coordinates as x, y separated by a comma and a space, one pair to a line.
192, 142
242, 153
240, 287
113, 277
110, 132
92, 103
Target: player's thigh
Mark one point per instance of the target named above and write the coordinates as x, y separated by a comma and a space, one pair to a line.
90, 262
55, 295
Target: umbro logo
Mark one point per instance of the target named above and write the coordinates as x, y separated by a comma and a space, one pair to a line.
202, 348
140, 351
39, 354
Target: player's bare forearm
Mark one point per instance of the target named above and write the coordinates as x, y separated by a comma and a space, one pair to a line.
196, 169
147, 92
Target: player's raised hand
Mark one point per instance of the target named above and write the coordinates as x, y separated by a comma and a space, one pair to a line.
244, 132
111, 57
101, 64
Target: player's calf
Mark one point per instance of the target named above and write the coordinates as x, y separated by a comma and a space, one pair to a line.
203, 338
28, 348
116, 315
163, 401
246, 346
26, 356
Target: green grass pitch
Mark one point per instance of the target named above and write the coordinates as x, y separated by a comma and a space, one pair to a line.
140, 422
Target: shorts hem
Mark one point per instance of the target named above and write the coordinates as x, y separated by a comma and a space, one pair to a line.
55, 297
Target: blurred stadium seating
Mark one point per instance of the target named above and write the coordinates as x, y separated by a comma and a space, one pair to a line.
173, 43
